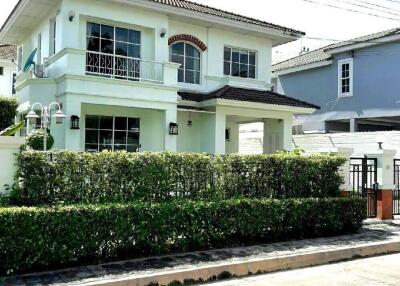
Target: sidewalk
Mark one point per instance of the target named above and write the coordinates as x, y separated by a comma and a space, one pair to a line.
375, 238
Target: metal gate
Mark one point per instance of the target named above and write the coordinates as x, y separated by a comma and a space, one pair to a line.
363, 179
396, 192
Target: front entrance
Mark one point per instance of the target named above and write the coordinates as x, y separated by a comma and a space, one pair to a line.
363, 179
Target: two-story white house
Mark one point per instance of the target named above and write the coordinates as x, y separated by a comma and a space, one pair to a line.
132, 70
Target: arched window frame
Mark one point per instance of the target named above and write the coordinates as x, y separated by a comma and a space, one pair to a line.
184, 69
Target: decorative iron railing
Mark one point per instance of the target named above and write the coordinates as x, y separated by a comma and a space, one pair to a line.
122, 67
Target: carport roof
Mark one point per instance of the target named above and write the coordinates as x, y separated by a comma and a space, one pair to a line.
247, 95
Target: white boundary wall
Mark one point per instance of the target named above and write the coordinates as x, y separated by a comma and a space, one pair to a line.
9, 147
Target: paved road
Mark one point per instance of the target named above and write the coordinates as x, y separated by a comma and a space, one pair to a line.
376, 271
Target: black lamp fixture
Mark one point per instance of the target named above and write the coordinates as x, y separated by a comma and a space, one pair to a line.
173, 128
75, 122
190, 122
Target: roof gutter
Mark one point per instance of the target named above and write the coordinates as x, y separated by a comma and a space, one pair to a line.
361, 45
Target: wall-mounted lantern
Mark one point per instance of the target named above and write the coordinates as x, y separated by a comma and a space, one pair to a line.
173, 128
163, 32
228, 134
75, 122
190, 121
71, 15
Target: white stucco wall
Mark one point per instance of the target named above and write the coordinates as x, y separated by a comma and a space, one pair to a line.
6, 79
9, 147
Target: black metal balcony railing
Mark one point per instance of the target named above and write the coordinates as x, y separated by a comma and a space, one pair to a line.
121, 67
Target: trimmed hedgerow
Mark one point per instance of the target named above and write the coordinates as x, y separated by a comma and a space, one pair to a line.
42, 238
8, 111
73, 177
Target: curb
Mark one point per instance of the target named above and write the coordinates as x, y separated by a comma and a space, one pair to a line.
255, 266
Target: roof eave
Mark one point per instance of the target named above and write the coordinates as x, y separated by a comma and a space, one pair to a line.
279, 36
302, 68
366, 44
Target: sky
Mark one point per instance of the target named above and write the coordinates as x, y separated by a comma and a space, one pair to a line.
317, 18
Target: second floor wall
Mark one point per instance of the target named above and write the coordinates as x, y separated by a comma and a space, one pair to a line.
374, 84
227, 56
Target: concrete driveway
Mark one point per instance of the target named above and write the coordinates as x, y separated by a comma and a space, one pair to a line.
376, 271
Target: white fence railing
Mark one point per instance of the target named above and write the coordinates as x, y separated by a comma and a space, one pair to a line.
121, 67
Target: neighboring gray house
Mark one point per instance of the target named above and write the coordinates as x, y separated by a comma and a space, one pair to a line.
356, 83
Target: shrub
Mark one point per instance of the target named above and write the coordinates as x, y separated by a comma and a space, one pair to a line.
73, 177
39, 238
8, 111
36, 139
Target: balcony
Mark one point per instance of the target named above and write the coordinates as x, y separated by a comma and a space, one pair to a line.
124, 68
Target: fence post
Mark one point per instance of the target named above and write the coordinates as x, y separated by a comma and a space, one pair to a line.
345, 188
386, 187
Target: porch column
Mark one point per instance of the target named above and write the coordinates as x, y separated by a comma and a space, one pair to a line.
72, 137
171, 116
277, 135
353, 125
219, 133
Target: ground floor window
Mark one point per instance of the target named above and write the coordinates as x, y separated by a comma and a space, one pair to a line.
112, 133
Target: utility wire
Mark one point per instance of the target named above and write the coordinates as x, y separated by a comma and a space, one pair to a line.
354, 41
377, 5
369, 8
350, 10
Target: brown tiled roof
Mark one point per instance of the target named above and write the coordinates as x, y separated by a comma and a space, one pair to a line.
8, 52
321, 54
184, 4
249, 95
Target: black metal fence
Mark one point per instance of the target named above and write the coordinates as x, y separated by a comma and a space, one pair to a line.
363, 179
396, 192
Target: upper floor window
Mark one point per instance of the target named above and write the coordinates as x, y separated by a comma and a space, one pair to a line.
345, 77
189, 57
113, 51
20, 51
239, 63
53, 34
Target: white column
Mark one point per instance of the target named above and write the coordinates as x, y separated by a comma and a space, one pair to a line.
353, 125
277, 135
72, 137
288, 134
219, 135
345, 169
385, 169
171, 116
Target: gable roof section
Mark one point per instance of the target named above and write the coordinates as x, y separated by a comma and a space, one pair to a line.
247, 95
8, 52
196, 7
323, 54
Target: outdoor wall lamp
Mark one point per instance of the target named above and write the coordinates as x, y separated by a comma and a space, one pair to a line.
190, 122
46, 118
173, 128
75, 122
71, 15
163, 32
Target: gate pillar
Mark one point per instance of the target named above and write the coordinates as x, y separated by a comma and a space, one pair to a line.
385, 204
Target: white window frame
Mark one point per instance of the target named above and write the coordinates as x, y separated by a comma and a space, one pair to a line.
39, 50
20, 55
231, 62
53, 36
348, 61
183, 67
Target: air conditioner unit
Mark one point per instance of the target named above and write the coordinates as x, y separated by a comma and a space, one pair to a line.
39, 71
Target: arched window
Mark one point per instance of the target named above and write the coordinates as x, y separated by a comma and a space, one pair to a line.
189, 57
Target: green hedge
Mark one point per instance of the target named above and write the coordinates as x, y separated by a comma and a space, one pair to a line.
8, 111
72, 177
41, 238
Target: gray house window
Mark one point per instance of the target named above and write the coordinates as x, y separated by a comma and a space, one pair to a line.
345, 77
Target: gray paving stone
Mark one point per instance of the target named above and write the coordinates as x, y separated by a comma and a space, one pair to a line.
371, 233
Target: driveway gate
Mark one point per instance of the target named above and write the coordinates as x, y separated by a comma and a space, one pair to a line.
396, 192
363, 179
